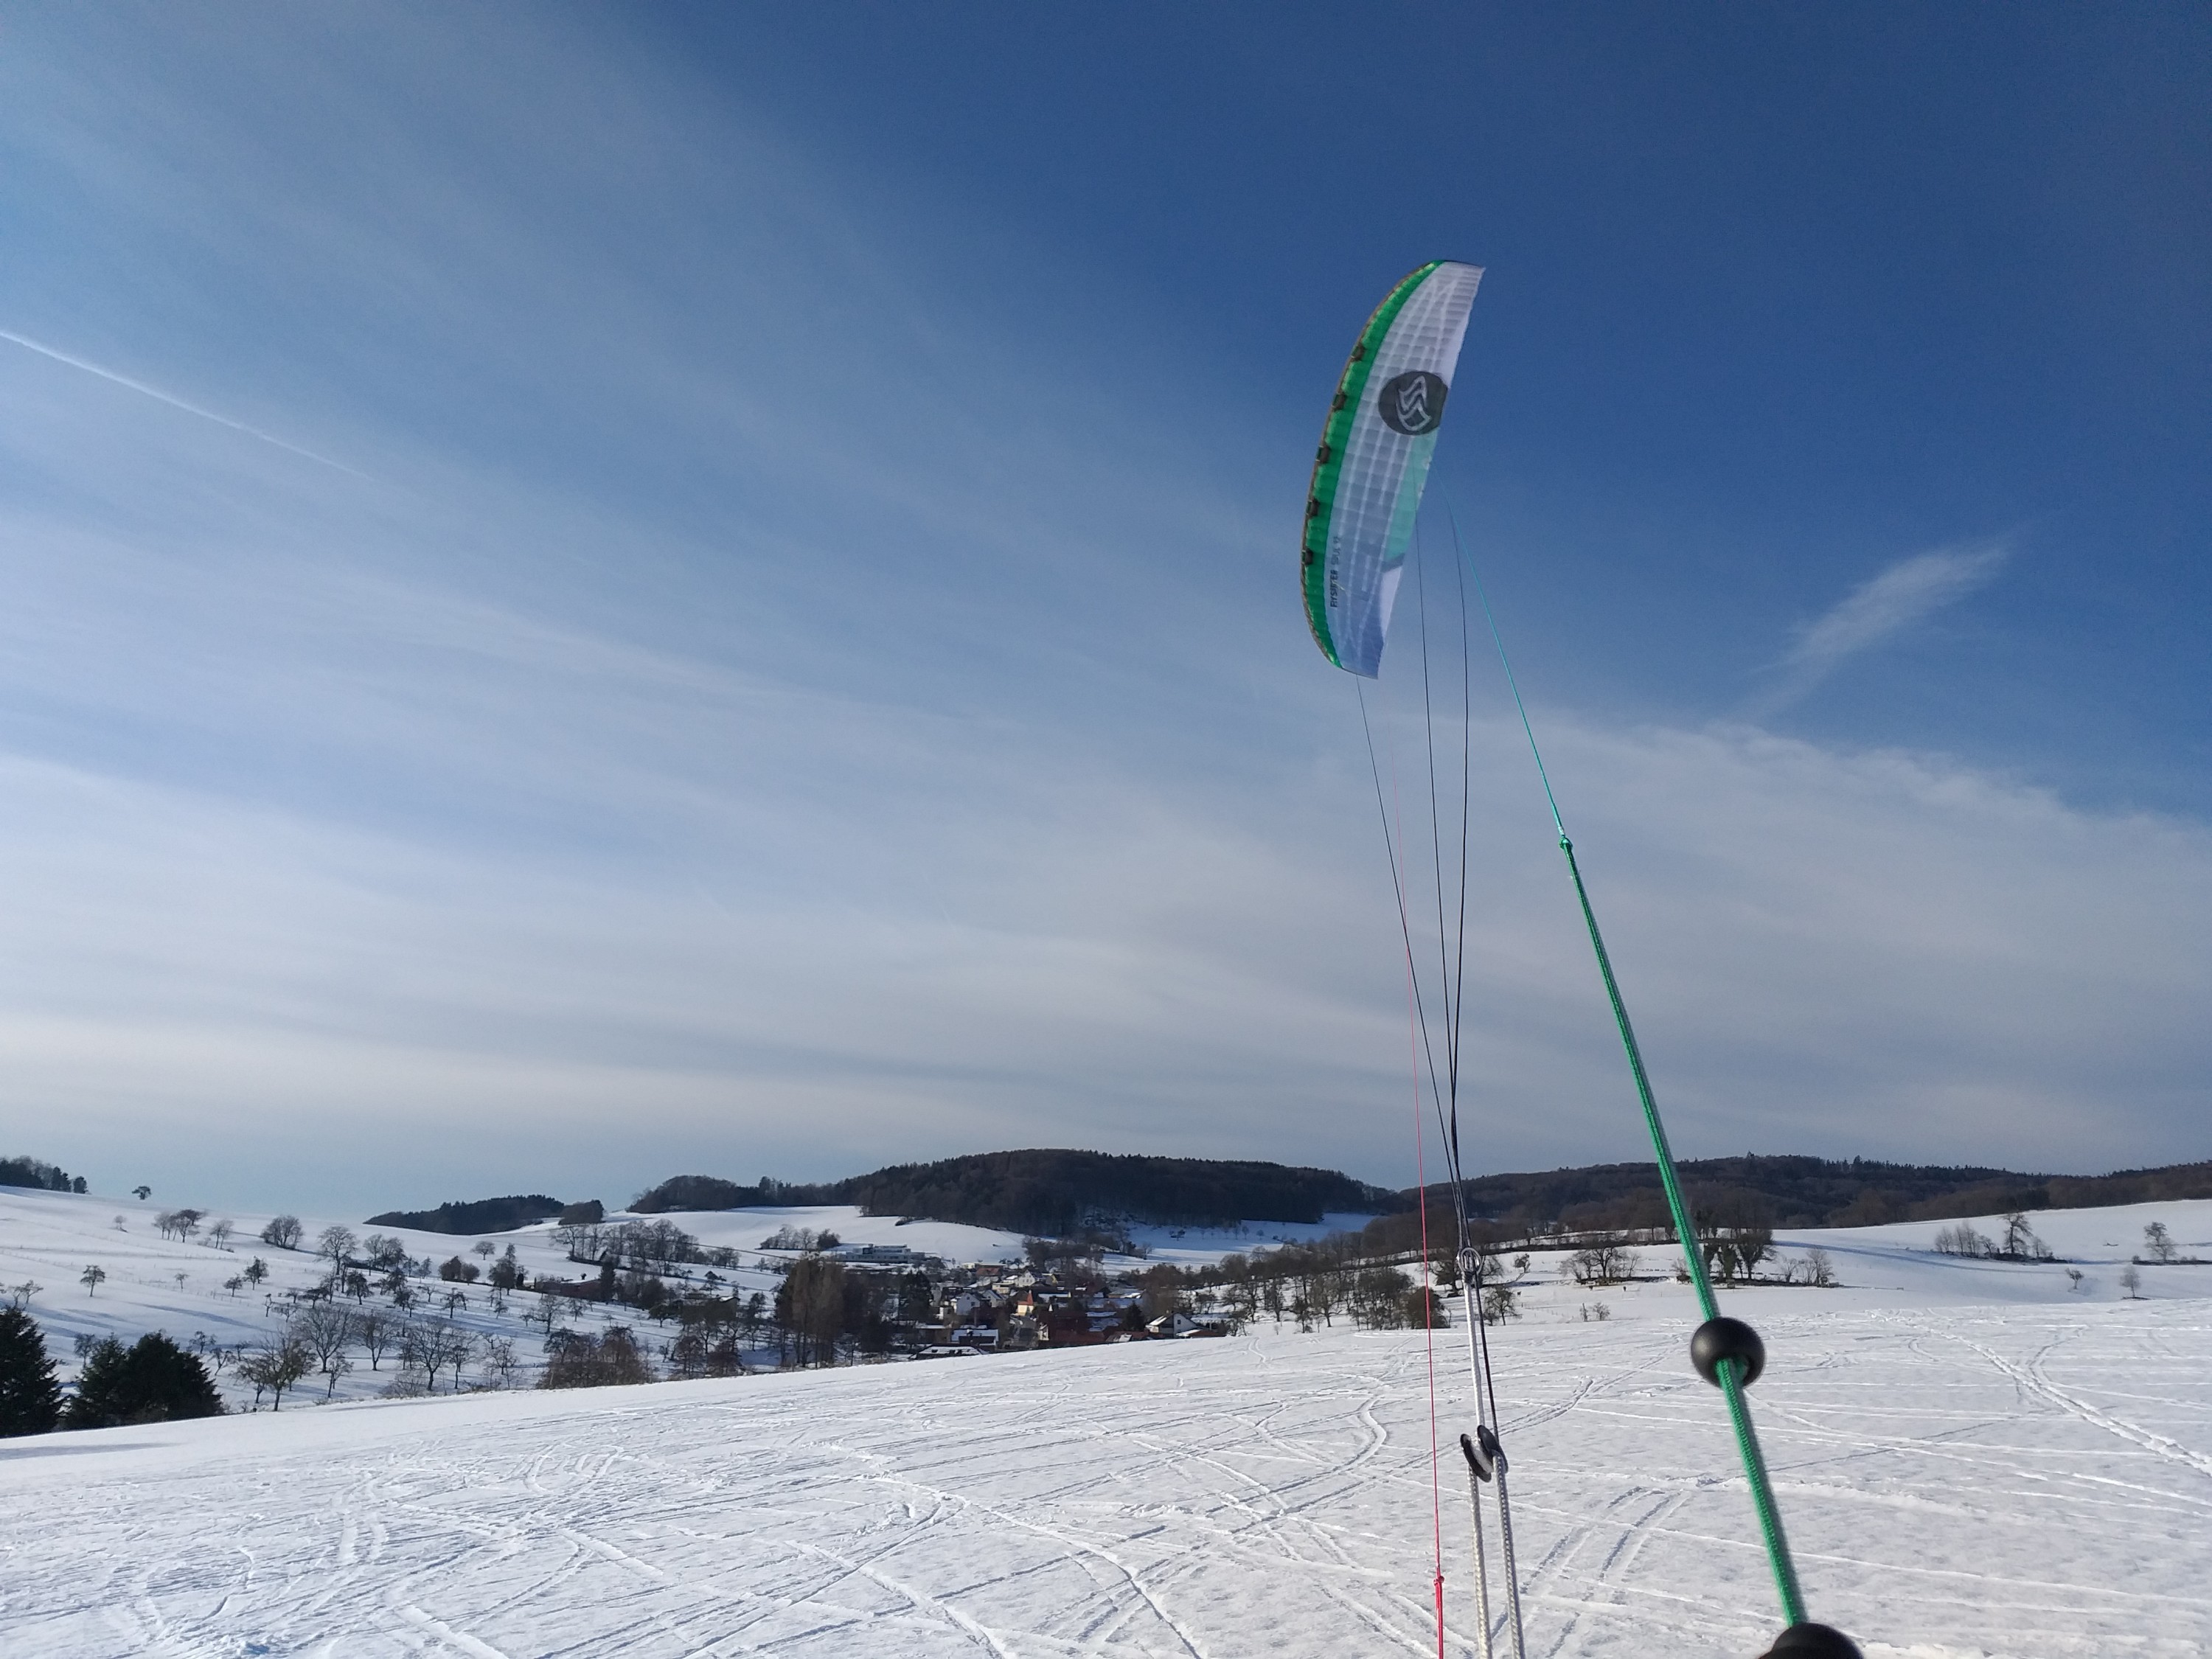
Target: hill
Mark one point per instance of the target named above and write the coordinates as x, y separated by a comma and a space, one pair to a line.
482, 1215
1056, 1192
1808, 1192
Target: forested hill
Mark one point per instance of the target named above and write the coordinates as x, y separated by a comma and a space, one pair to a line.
1809, 1191
1054, 1192
483, 1215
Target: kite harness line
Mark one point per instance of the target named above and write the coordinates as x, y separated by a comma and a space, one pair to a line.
1727, 1352
1485, 1457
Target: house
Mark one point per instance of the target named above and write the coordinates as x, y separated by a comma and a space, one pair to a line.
887, 1254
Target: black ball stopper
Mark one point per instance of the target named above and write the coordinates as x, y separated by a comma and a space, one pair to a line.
1729, 1339
1813, 1641
1478, 1458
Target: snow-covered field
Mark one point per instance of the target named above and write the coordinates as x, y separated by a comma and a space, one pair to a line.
1973, 1459
48, 1240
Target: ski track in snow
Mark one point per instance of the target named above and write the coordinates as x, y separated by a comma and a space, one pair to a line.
1995, 1482
1975, 1461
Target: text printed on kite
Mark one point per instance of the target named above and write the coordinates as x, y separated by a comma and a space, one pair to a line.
1361, 519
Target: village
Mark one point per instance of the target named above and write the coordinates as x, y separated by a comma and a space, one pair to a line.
804, 1297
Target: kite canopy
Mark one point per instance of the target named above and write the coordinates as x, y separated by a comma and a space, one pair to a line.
1374, 460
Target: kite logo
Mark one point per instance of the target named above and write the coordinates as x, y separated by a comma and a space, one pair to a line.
1412, 404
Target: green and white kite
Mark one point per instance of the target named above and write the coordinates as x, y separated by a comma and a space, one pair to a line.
1374, 460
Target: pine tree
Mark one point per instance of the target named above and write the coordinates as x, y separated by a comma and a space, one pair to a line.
153, 1381
30, 1398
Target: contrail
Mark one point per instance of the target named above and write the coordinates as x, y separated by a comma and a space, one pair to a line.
176, 402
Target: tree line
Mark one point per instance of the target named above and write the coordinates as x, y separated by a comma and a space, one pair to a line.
37, 1172
1053, 1192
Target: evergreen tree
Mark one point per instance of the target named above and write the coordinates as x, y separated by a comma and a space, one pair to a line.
30, 1398
153, 1381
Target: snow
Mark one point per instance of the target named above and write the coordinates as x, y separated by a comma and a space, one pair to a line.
1973, 1459
1201, 1247
50, 1238
744, 1229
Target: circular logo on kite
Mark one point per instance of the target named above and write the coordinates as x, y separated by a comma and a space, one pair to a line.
1412, 404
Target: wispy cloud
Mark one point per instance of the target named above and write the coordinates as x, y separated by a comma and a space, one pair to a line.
1907, 593
160, 396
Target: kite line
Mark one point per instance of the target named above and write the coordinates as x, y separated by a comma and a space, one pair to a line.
1726, 1352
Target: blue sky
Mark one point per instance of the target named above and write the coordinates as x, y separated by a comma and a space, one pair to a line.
704, 588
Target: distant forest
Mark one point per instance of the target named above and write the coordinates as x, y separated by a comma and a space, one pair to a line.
1805, 1192
1064, 1194
483, 1215
37, 1172
1057, 1194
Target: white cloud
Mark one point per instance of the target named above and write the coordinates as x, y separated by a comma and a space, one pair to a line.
996, 942
1907, 593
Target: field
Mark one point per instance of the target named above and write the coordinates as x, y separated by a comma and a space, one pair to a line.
1973, 1459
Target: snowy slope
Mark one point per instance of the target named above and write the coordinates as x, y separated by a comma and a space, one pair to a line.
48, 1239
744, 1229
1973, 1459
2020, 1480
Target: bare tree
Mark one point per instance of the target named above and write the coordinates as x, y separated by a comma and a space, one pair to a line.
373, 1329
219, 1234
549, 1307
412, 1342
450, 1346
1604, 1264
325, 1330
1963, 1240
2021, 1243
580, 1241
256, 1271
1819, 1269
2132, 1281
92, 1278
235, 1284
283, 1232
2158, 1242
336, 1242
501, 1361
434, 1346
276, 1364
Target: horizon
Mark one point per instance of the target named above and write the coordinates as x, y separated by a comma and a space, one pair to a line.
422, 1206
601, 592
